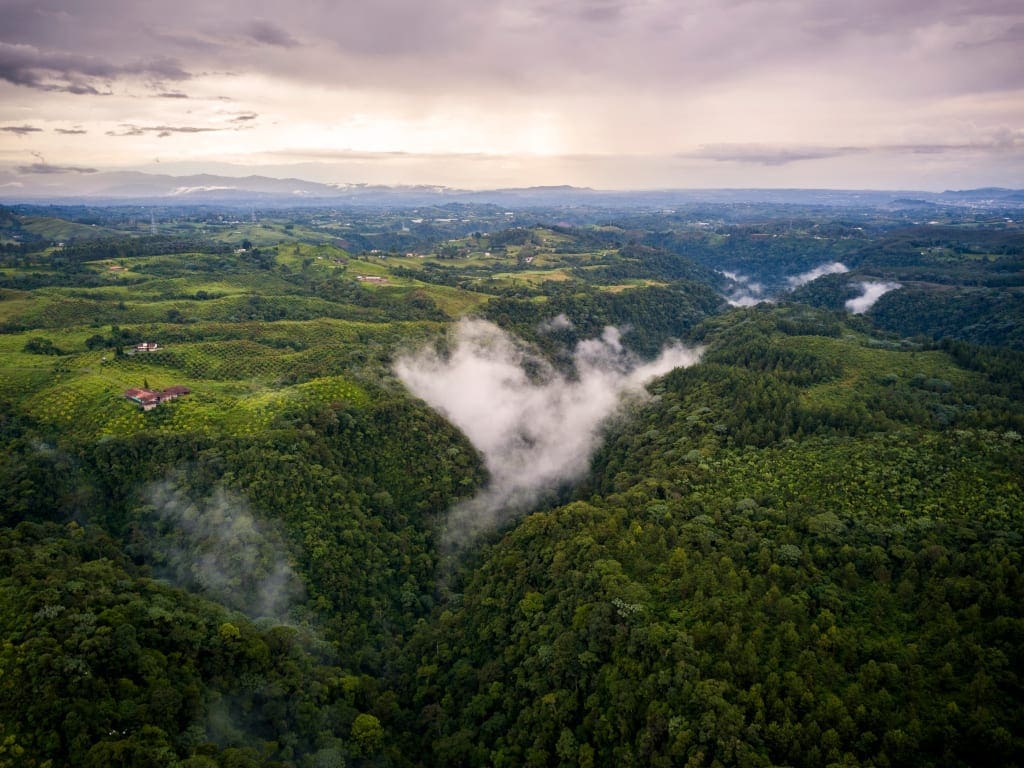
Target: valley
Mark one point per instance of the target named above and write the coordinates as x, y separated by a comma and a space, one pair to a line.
413, 494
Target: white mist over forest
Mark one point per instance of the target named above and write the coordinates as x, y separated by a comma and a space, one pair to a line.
744, 291
536, 431
871, 291
217, 547
831, 268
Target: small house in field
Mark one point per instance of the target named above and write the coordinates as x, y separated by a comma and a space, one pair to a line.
149, 399
147, 346
172, 393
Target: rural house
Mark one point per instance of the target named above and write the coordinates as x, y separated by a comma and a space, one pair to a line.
150, 399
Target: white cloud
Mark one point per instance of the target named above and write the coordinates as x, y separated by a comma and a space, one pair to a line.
871, 291
743, 293
648, 94
535, 432
217, 547
557, 323
831, 268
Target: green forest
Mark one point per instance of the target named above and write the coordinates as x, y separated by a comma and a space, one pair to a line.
804, 549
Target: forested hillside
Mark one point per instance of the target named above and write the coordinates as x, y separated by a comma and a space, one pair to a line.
798, 554
227, 534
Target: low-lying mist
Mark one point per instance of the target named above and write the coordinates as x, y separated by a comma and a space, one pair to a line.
871, 291
744, 292
535, 427
831, 268
215, 546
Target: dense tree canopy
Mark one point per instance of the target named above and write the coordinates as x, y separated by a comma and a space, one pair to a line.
804, 550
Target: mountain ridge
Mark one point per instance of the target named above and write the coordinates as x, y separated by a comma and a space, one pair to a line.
115, 187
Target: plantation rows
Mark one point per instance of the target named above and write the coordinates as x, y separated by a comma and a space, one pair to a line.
95, 405
230, 360
240, 385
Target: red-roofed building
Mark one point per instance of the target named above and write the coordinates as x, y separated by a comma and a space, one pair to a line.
147, 398
150, 399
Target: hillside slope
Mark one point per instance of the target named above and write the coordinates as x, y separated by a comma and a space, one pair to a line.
805, 551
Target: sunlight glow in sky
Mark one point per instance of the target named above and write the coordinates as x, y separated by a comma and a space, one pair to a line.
925, 94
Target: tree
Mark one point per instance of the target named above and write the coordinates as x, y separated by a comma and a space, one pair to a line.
367, 733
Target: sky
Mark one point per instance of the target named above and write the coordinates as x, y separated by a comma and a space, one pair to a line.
611, 94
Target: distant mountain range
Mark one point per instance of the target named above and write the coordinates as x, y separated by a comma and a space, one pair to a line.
135, 187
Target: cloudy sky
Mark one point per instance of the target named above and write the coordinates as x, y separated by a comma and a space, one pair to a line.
925, 94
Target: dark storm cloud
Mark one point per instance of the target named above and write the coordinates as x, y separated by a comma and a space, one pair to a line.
45, 168
1013, 35
593, 11
601, 12
223, 38
20, 130
70, 131
788, 89
840, 20
999, 141
191, 43
264, 32
514, 43
766, 155
162, 131
31, 67
27, 21
771, 155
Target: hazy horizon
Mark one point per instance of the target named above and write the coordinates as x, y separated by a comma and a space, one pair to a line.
272, 183
612, 94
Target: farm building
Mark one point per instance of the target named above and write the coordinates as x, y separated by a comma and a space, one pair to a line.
150, 399
147, 398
